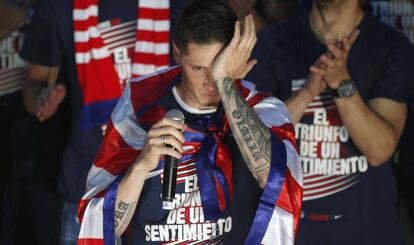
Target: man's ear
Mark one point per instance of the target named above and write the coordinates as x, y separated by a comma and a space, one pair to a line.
176, 53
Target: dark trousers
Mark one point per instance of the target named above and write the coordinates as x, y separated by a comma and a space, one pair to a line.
18, 140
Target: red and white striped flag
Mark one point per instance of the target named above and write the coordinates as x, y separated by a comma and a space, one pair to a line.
98, 79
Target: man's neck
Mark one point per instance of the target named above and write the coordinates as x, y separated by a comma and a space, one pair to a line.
332, 22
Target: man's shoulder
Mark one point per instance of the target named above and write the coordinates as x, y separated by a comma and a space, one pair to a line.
381, 33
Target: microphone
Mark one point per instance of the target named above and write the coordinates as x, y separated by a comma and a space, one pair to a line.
170, 167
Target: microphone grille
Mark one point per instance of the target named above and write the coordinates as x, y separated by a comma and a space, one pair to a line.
176, 115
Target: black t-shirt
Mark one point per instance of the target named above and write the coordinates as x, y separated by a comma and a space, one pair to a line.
339, 185
153, 225
50, 42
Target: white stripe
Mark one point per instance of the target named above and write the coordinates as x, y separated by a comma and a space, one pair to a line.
6, 72
326, 102
188, 108
188, 148
118, 32
154, 4
313, 177
272, 112
280, 230
309, 192
19, 78
326, 182
130, 35
84, 14
142, 69
293, 162
92, 223
11, 90
153, 25
154, 173
111, 50
187, 165
151, 47
124, 43
324, 96
186, 171
138, 79
124, 120
313, 197
251, 86
96, 54
84, 36
11, 86
132, 23
161, 68
97, 180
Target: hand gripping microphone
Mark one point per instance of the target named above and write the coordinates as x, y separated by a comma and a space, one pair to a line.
170, 167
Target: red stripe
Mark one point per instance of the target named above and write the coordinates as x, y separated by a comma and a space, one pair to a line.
83, 47
126, 45
150, 89
84, 4
243, 90
290, 198
83, 25
312, 176
152, 36
285, 132
90, 79
120, 32
114, 28
192, 167
154, 14
149, 59
131, 40
322, 180
152, 116
191, 173
90, 241
81, 209
328, 184
115, 155
220, 195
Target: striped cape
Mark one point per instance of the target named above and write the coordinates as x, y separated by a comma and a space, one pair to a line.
98, 79
280, 205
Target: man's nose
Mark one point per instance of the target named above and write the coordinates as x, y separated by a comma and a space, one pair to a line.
209, 81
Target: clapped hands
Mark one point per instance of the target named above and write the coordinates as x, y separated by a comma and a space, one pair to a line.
333, 64
330, 69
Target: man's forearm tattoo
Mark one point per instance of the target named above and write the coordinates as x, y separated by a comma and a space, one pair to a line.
249, 127
123, 214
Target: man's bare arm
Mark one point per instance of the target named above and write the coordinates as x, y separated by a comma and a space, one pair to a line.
252, 136
375, 127
130, 188
40, 94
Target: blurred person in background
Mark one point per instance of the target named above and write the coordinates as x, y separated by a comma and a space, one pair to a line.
18, 130
346, 79
264, 11
93, 48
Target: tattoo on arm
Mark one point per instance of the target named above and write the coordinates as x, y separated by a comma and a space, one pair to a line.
123, 214
252, 136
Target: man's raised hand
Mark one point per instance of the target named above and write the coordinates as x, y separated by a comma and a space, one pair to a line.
233, 61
